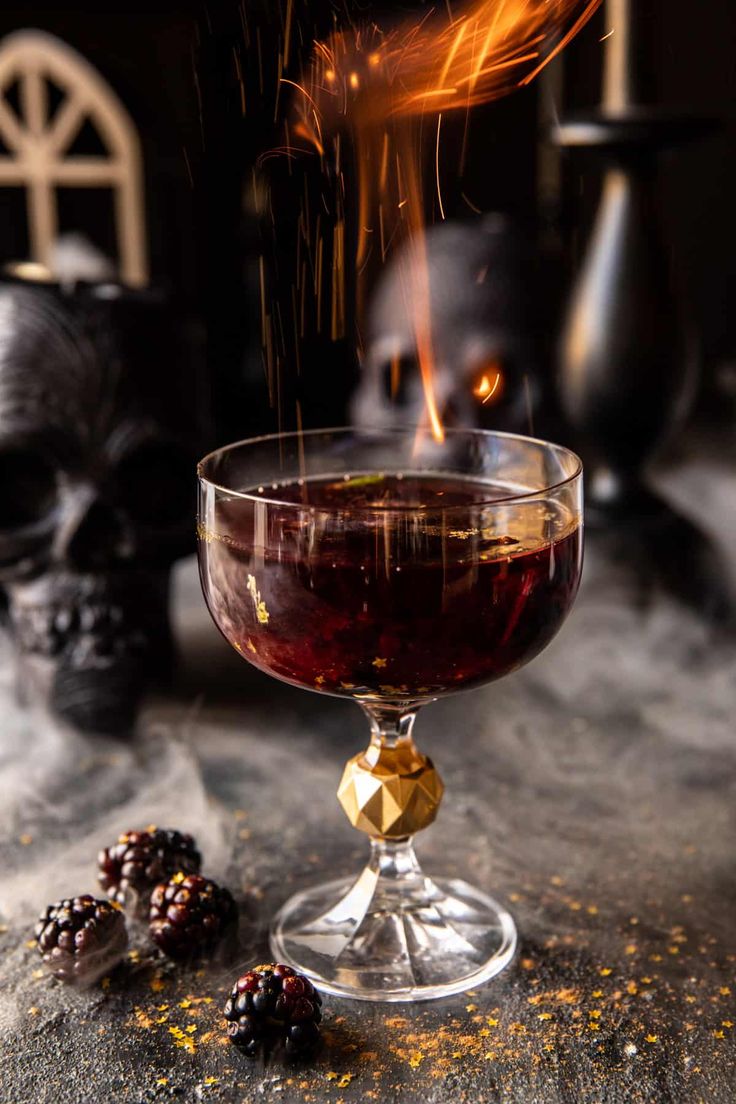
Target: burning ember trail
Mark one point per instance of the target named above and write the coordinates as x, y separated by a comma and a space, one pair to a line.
376, 88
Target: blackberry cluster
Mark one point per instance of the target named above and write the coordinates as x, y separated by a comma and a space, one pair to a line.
81, 938
132, 867
189, 914
273, 1004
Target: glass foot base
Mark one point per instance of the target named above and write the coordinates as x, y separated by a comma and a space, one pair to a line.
394, 936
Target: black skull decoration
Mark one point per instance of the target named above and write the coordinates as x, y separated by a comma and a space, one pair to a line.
98, 435
482, 325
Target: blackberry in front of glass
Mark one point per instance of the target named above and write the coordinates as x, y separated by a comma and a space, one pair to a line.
392, 569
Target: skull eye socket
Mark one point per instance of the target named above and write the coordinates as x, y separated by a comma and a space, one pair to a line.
154, 484
27, 488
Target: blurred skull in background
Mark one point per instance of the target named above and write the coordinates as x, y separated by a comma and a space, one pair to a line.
98, 438
481, 277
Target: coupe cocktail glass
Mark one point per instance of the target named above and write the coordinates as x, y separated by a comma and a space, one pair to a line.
386, 567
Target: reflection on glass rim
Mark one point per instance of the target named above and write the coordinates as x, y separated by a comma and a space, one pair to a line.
369, 434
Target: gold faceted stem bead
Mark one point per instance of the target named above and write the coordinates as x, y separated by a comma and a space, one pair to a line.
390, 792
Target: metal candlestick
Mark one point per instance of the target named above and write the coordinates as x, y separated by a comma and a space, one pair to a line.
627, 354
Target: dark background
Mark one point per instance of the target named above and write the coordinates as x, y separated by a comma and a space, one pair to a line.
200, 82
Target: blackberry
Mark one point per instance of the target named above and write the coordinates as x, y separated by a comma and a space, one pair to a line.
271, 1004
189, 914
81, 938
132, 867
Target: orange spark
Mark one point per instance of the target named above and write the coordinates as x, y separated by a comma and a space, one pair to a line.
379, 85
437, 165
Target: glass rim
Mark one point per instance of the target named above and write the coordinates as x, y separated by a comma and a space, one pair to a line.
296, 435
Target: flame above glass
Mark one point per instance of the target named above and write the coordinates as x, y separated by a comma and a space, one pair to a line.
380, 87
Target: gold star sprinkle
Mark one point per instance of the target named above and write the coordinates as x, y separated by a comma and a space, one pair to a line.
262, 613
379, 662
605, 971
652, 1038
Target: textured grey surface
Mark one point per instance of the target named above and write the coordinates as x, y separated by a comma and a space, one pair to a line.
593, 793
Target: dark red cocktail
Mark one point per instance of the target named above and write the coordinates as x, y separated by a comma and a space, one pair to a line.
378, 606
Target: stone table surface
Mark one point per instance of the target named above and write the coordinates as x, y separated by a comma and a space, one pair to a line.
592, 793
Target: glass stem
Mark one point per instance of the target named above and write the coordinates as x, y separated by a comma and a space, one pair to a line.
393, 862
390, 724
399, 878
390, 790
393, 868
